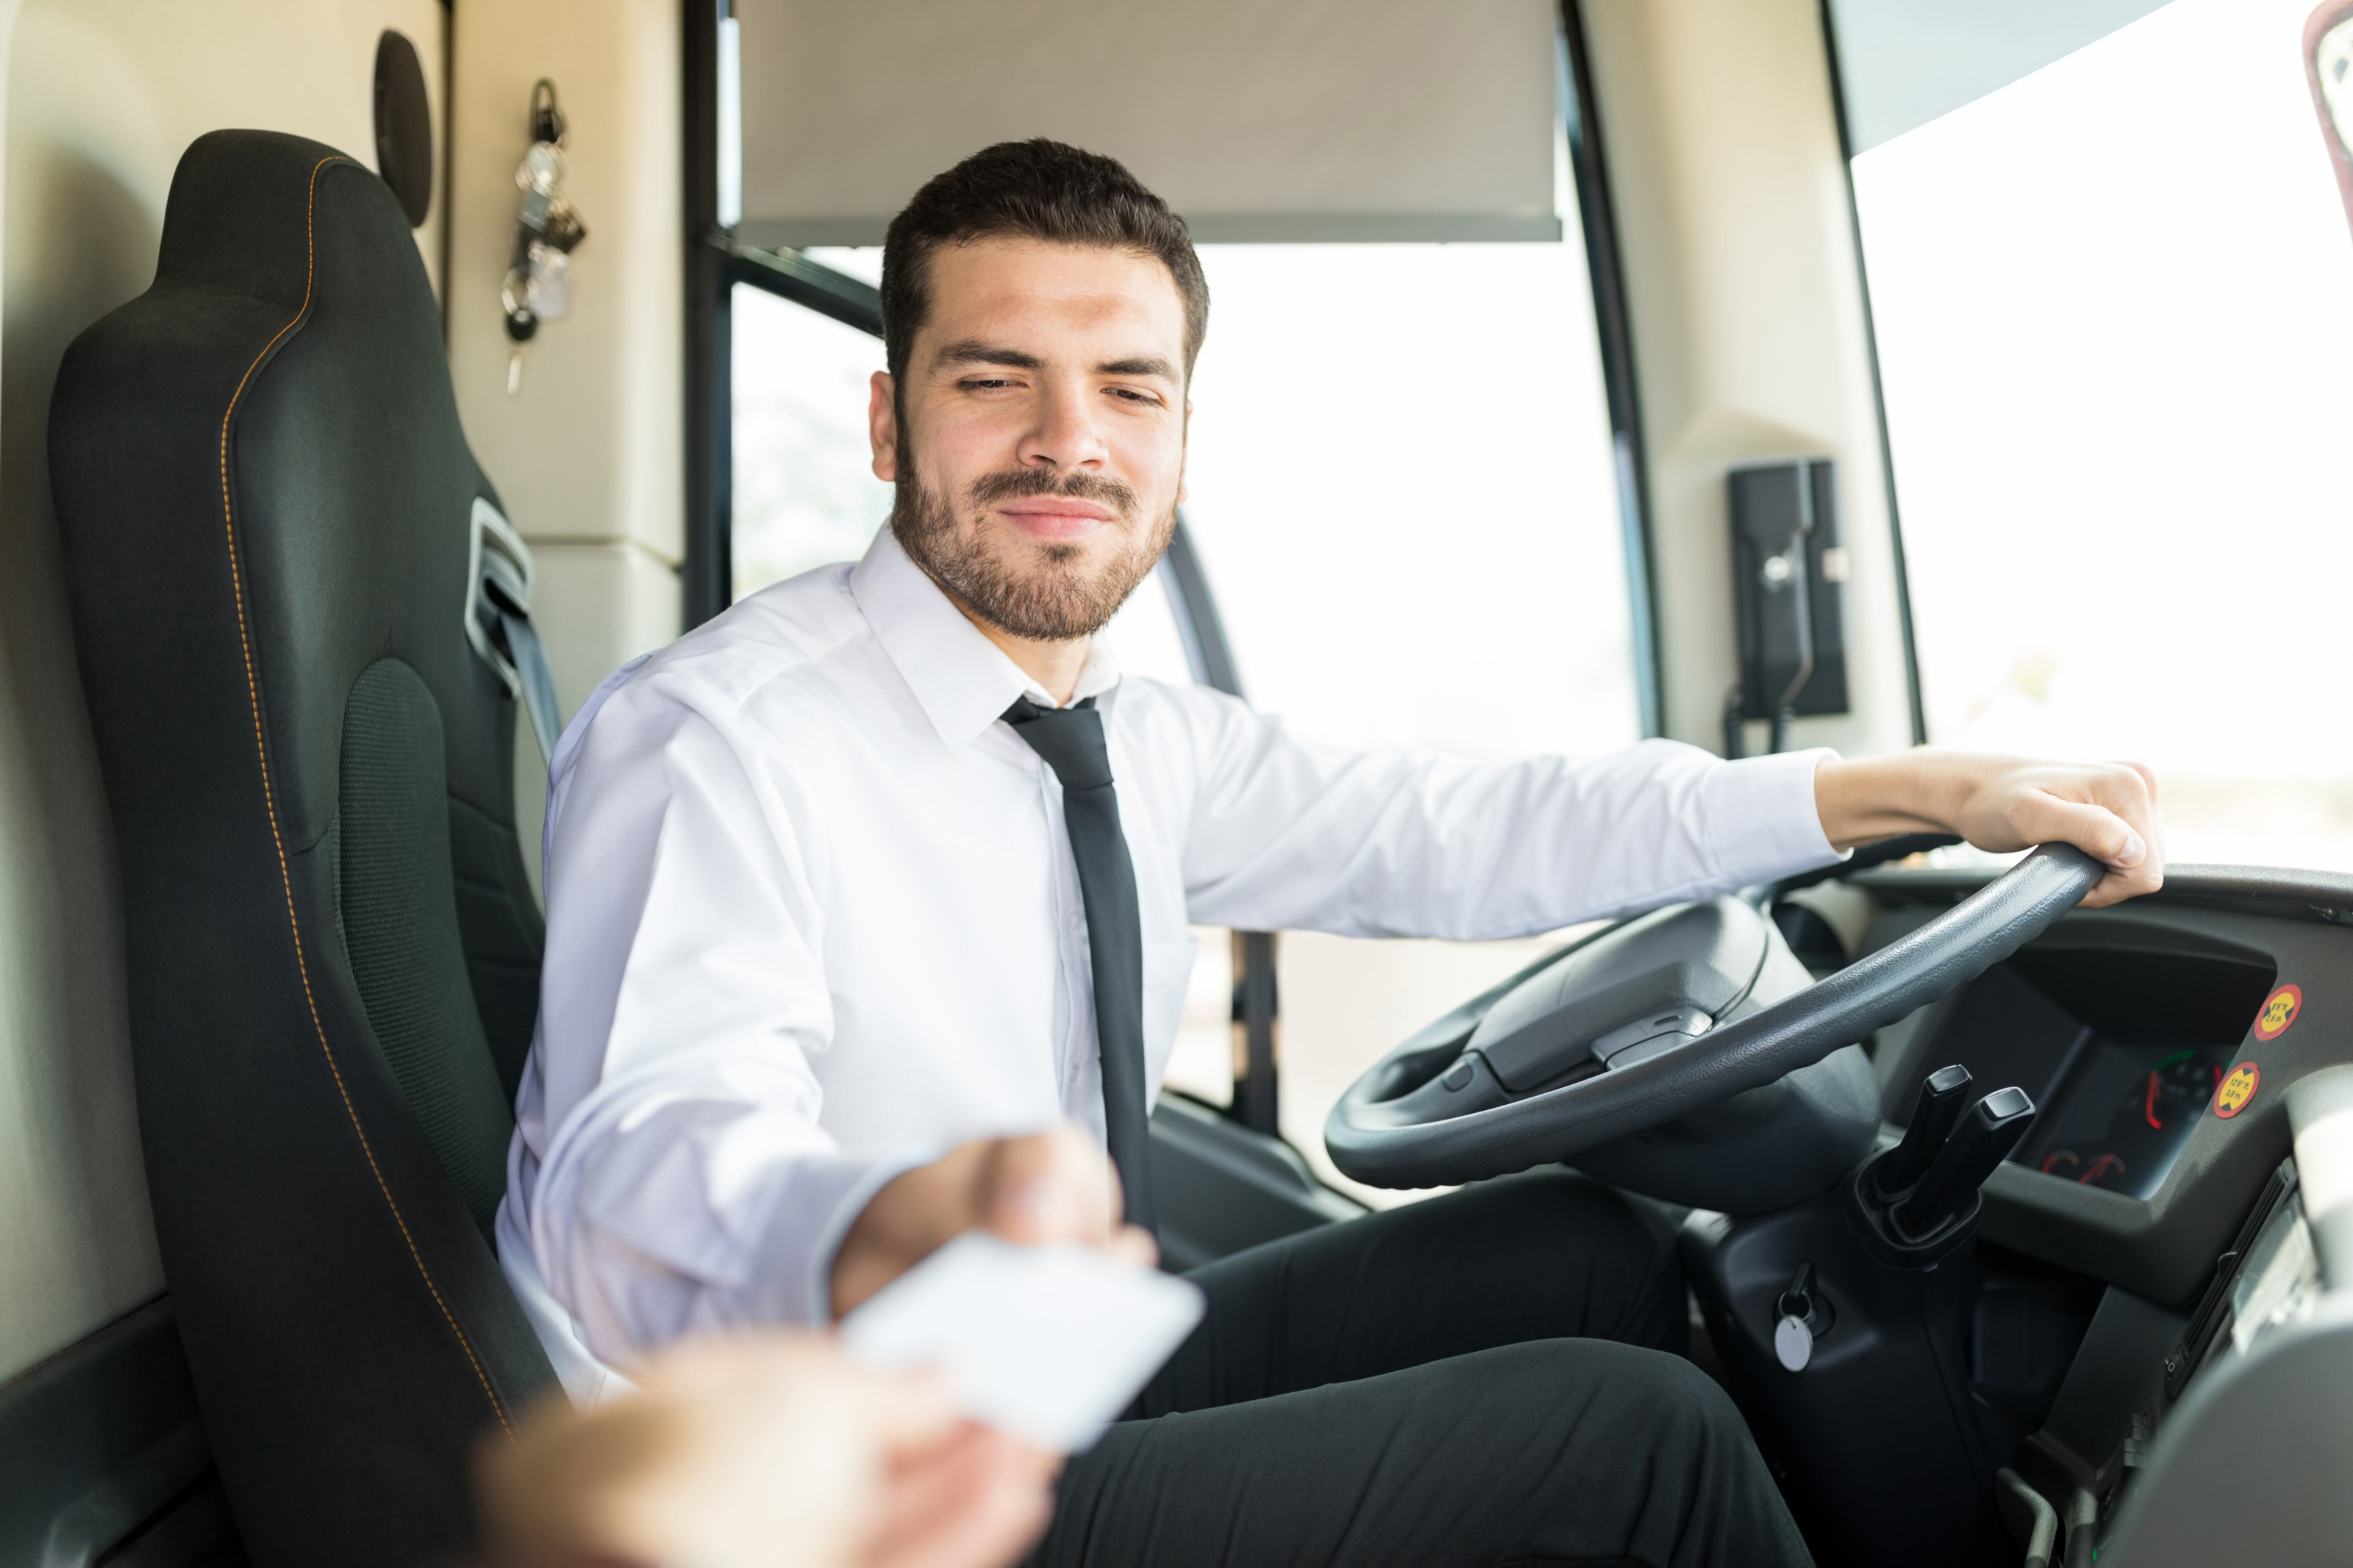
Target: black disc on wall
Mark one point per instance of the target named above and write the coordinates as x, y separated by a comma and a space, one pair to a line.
404, 126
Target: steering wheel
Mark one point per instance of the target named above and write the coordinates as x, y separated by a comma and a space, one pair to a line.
1627, 1037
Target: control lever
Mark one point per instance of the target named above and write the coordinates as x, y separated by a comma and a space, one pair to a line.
1989, 1131
1932, 1120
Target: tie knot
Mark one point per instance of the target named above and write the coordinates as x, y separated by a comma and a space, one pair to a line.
1071, 739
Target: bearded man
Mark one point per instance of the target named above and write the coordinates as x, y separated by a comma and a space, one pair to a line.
863, 895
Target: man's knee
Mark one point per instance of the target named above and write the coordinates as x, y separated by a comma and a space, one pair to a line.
1642, 1459
1679, 1409
1622, 1388
1617, 1253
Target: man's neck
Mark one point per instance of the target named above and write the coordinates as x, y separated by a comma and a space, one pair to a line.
1055, 666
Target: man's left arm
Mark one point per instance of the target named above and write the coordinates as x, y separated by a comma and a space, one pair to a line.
1287, 836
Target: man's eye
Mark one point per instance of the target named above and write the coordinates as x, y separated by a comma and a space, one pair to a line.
1133, 396
983, 383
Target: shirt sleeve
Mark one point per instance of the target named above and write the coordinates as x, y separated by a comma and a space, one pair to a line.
682, 1180
1289, 835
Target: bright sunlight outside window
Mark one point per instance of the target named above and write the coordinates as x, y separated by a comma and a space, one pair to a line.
2111, 310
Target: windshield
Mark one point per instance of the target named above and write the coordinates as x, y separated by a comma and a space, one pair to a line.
2111, 306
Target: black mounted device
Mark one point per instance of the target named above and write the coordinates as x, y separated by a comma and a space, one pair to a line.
1787, 567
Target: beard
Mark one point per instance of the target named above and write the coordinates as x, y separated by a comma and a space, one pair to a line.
1044, 593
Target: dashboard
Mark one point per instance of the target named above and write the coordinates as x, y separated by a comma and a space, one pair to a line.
2158, 1039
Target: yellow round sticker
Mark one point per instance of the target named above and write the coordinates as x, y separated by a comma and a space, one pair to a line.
2237, 1089
2279, 1011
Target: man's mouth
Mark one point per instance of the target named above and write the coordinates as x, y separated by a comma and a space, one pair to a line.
1055, 520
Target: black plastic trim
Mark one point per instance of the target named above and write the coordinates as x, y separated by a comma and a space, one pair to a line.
1211, 655
103, 1440
1878, 387
2273, 891
2163, 1246
1221, 1187
1605, 270
789, 275
708, 574
448, 159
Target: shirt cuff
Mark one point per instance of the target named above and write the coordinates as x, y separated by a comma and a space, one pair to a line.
824, 1200
1762, 821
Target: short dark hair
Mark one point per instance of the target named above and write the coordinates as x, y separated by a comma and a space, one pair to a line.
1042, 190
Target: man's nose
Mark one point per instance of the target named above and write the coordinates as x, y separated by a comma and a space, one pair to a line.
1065, 434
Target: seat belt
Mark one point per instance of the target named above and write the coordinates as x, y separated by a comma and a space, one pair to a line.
538, 694
498, 621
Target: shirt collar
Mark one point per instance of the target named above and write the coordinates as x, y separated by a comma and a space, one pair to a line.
963, 680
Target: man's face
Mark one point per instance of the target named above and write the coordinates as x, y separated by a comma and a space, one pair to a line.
1039, 443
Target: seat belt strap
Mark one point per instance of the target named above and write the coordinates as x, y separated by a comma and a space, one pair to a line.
538, 687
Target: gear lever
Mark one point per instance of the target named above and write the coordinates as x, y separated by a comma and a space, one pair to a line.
1933, 1118
1989, 1131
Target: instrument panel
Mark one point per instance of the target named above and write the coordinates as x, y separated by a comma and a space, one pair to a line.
2158, 1039
2120, 1113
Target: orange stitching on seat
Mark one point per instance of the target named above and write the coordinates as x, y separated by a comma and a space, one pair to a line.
270, 798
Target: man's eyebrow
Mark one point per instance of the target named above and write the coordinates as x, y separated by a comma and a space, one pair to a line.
972, 351
1147, 366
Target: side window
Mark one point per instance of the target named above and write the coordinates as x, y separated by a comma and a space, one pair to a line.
805, 493
2110, 307
1403, 492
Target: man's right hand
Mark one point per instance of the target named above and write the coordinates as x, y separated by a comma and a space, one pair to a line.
1049, 1187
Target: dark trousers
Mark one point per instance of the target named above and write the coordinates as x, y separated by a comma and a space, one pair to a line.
1486, 1378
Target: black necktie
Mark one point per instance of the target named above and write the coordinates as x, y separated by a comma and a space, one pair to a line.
1071, 739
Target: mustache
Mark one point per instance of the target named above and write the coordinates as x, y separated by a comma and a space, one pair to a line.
1016, 484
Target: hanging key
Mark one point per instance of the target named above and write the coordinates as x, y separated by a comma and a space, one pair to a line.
1803, 1317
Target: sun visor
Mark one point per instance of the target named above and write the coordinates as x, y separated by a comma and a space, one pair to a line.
1308, 121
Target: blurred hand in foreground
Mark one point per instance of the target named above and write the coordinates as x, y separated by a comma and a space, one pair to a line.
763, 1450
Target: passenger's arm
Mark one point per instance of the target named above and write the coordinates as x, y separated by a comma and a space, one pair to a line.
761, 1450
2108, 810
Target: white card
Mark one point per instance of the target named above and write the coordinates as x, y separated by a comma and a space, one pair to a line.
1048, 1343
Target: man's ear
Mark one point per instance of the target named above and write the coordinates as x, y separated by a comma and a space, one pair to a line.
883, 426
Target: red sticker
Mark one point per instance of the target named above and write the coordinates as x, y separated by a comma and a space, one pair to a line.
2279, 1011
2238, 1088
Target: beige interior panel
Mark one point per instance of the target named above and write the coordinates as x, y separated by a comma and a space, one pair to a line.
1744, 293
589, 450
589, 447
102, 97
1313, 119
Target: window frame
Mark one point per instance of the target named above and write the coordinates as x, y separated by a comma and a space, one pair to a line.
1912, 687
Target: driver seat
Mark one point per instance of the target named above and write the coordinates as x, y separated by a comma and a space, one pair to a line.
270, 522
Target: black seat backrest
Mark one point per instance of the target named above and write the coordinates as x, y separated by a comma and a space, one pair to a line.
266, 505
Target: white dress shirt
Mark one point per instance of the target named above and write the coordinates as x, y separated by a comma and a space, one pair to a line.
812, 919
